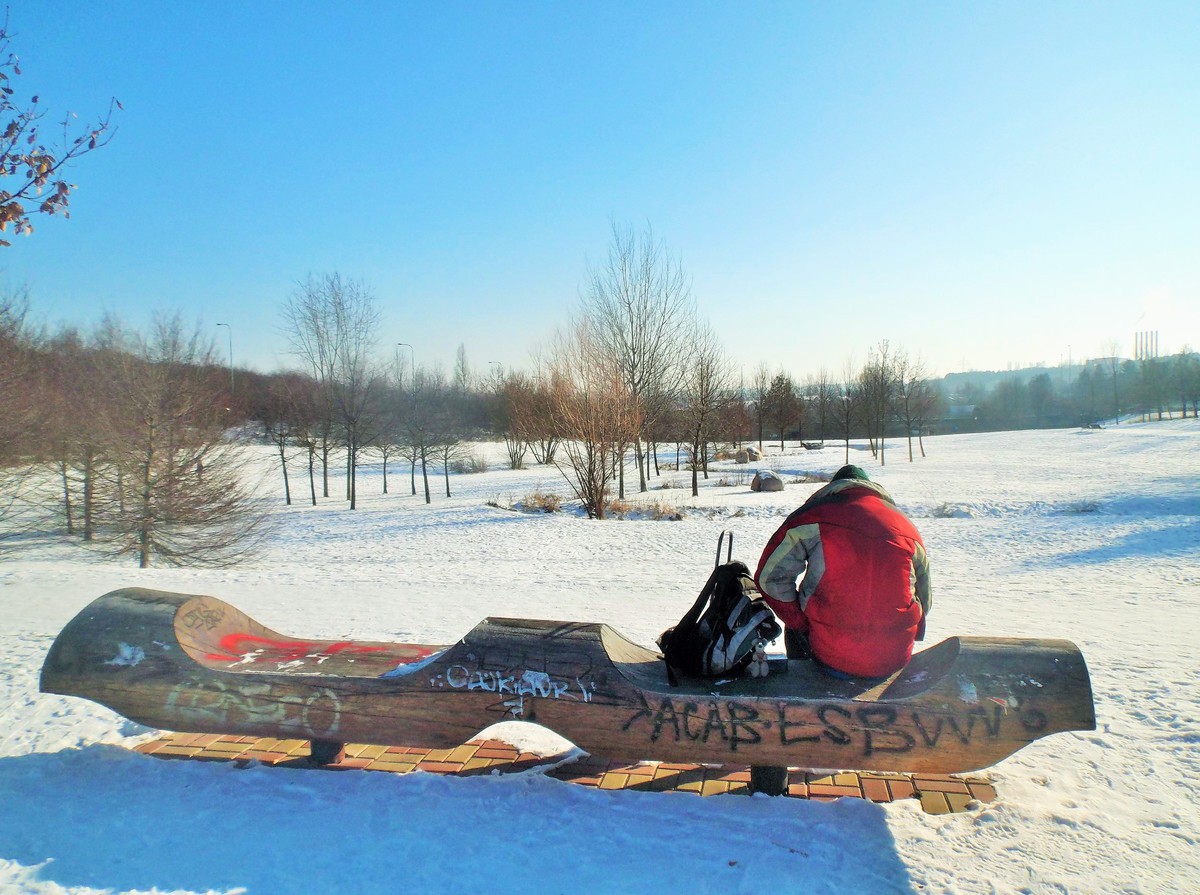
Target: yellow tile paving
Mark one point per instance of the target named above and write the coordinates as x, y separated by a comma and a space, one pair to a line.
938, 794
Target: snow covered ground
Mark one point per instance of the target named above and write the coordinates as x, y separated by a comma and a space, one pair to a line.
1088, 535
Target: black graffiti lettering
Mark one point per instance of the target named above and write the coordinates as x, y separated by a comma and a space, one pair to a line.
1033, 720
689, 712
930, 740
742, 720
203, 618
964, 737
832, 731
643, 712
785, 725
740, 724
666, 715
878, 734
714, 722
993, 725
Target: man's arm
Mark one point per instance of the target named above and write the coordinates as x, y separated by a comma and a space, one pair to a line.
922, 590
790, 554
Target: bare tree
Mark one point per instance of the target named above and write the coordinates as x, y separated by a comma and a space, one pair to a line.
452, 428
1112, 348
513, 414
597, 413
73, 377
21, 413
707, 381
846, 403
760, 390
875, 405
34, 171
462, 370
639, 304
183, 500
331, 324
424, 423
909, 376
287, 415
1186, 379
388, 429
736, 423
825, 392
781, 404
533, 414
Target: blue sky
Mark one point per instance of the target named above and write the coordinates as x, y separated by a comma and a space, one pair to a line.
982, 184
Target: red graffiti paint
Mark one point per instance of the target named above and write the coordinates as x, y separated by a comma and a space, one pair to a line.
237, 647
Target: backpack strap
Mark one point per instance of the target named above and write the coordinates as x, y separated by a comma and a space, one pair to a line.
692, 615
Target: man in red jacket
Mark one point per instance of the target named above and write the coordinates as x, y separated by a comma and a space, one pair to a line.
864, 593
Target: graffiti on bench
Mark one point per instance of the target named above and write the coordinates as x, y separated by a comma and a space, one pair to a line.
867, 729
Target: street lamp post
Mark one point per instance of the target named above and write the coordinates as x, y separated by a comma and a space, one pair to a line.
230, 329
412, 359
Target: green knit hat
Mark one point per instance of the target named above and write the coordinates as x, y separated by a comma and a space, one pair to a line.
851, 472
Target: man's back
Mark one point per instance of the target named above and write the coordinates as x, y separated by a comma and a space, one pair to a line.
864, 565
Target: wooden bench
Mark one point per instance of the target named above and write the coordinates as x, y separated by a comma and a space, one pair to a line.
194, 663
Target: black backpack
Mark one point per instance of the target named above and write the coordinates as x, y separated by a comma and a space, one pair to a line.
728, 621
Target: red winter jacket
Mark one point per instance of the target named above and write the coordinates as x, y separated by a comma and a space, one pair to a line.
865, 591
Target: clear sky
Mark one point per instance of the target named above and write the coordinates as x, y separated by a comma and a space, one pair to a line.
984, 184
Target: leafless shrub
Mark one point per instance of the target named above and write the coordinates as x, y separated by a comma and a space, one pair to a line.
546, 502
660, 509
621, 509
469, 465
596, 413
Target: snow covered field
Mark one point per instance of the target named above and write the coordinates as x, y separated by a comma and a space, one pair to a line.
1092, 536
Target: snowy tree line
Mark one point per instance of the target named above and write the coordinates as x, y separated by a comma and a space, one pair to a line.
133, 442
635, 371
122, 440
1109, 388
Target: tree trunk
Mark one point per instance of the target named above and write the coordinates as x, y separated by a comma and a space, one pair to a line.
89, 487
695, 468
325, 464
144, 519
312, 480
425, 476
287, 490
67, 497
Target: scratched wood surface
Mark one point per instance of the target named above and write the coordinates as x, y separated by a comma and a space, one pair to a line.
195, 663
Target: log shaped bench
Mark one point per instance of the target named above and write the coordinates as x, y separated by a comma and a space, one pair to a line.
194, 663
